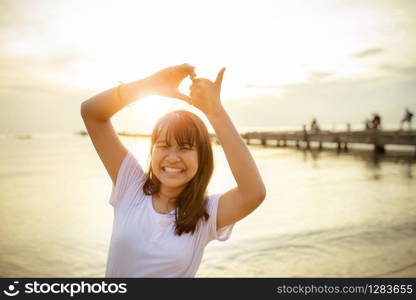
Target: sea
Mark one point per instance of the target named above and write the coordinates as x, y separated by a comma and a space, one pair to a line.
326, 213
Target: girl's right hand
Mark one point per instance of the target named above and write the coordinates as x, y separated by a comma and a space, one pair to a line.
206, 95
166, 82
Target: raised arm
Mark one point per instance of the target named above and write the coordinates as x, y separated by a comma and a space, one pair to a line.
97, 111
250, 191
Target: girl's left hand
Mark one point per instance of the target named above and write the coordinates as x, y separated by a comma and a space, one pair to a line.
205, 94
166, 82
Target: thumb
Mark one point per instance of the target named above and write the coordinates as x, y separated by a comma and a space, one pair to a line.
181, 96
220, 75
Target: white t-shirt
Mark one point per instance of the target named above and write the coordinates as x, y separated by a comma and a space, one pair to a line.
143, 242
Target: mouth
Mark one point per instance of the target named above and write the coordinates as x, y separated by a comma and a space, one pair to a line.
172, 171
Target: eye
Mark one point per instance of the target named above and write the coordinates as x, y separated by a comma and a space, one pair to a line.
186, 147
161, 146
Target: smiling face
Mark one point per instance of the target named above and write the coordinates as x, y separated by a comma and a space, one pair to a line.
181, 157
181, 166
174, 160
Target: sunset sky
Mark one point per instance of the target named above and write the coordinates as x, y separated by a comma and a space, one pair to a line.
287, 61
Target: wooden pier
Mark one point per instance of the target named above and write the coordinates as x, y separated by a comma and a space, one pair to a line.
377, 138
304, 138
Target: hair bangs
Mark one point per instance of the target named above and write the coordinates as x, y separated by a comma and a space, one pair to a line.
178, 127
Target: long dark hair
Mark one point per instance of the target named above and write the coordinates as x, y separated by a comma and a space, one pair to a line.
187, 129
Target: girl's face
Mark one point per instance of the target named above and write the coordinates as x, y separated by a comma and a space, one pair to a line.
174, 165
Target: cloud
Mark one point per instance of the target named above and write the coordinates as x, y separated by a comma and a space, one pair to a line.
35, 73
405, 70
313, 77
336, 101
368, 52
263, 86
318, 76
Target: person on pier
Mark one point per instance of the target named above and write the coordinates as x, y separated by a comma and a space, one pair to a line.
376, 122
314, 126
408, 115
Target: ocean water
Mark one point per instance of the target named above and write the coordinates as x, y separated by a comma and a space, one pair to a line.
326, 214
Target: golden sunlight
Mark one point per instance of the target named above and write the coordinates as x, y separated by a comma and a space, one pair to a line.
266, 46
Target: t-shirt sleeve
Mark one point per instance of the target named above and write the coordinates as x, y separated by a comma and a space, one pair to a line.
130, 177
221, 234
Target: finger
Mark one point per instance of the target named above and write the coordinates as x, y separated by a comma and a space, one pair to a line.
181, 96
192, 94
202, 82
192, 75
220, 75
195, 89
196, 80
187, 69
193, 85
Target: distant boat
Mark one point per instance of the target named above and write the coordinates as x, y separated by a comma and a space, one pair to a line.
82, 132
23, 136
129, 134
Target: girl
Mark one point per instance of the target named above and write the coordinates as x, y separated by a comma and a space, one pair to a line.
162, 218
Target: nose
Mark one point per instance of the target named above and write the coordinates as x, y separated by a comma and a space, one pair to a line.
172, 157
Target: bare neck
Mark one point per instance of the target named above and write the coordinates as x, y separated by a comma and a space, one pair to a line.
166, 198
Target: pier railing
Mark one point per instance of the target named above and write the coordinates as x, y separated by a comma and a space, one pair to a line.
378, 138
